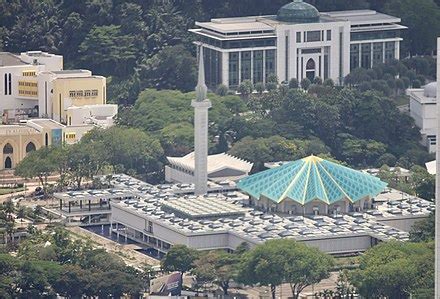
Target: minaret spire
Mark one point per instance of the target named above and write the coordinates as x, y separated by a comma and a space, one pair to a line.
201, 105
201, 89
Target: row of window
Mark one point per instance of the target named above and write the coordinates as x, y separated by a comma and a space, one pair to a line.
247, 65
356, 36
234, 44
83, 93
8, 149
29, 73
370, 54
314, 36
27, 92
24, 83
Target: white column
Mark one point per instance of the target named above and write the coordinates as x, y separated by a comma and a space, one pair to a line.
264, 66
201, 145
225, 68
383, 52
371, 55
437, 186
239, 67
252, 67
397, 50
360, 55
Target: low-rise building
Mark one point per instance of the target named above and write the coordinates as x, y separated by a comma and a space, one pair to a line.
422, 106
220, 167
17, 140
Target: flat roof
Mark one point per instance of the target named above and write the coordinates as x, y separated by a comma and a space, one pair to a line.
202, 207
9, 59
70, 72
362, 17
46, 123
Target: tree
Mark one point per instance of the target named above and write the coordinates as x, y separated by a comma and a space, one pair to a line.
423, 230
107, 50
36, 164
305, 83
171, 68
395, 269
293, 83
245, 88
221, 90
179, 258
283, 260
329, 82
259, 87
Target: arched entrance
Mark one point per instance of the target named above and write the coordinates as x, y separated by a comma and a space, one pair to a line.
30, 147
8, 163
310, 69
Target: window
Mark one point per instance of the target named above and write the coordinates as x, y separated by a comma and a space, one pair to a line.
377, 53
233, 69
72, 94
10, 84
298, 37
8, 149
354, 57
245, 65
270, 63
87, 93
313, 36
30, 147
389, 51
6, 84
329, 35
94, 93
79, 93
366, 56
213, 67
258, 66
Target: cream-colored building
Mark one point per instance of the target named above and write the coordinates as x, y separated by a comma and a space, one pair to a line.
16, 141
35, 85
69, 88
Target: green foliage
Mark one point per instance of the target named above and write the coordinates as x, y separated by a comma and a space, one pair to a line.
74, 269
221, 90
395, 269
278, 261
179, 258
423, 230
293, 83
245, 88
305, 83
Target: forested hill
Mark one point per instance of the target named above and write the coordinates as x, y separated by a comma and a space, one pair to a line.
145, 43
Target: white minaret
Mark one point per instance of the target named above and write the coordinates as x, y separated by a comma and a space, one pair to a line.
437, 185
201, 105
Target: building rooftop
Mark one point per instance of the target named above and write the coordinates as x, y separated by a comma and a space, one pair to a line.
309, 179
9, 59
362, 17
71, 72
216, 162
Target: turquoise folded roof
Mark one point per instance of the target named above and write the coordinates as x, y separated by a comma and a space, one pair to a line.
312, 178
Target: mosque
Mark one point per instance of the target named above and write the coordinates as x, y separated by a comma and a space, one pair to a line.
299, 42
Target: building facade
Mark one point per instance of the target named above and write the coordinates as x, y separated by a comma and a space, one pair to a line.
35, 85
422, 106
299, 42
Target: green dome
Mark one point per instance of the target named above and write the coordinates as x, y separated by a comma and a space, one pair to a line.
298, 12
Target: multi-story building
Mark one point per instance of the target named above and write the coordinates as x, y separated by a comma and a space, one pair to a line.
299, 42
35, 85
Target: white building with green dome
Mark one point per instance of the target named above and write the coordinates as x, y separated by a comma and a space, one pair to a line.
299, 42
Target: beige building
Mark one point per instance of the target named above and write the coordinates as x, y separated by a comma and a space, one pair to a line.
16, 141
35, 85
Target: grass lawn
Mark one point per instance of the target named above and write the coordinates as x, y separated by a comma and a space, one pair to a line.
4, 191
